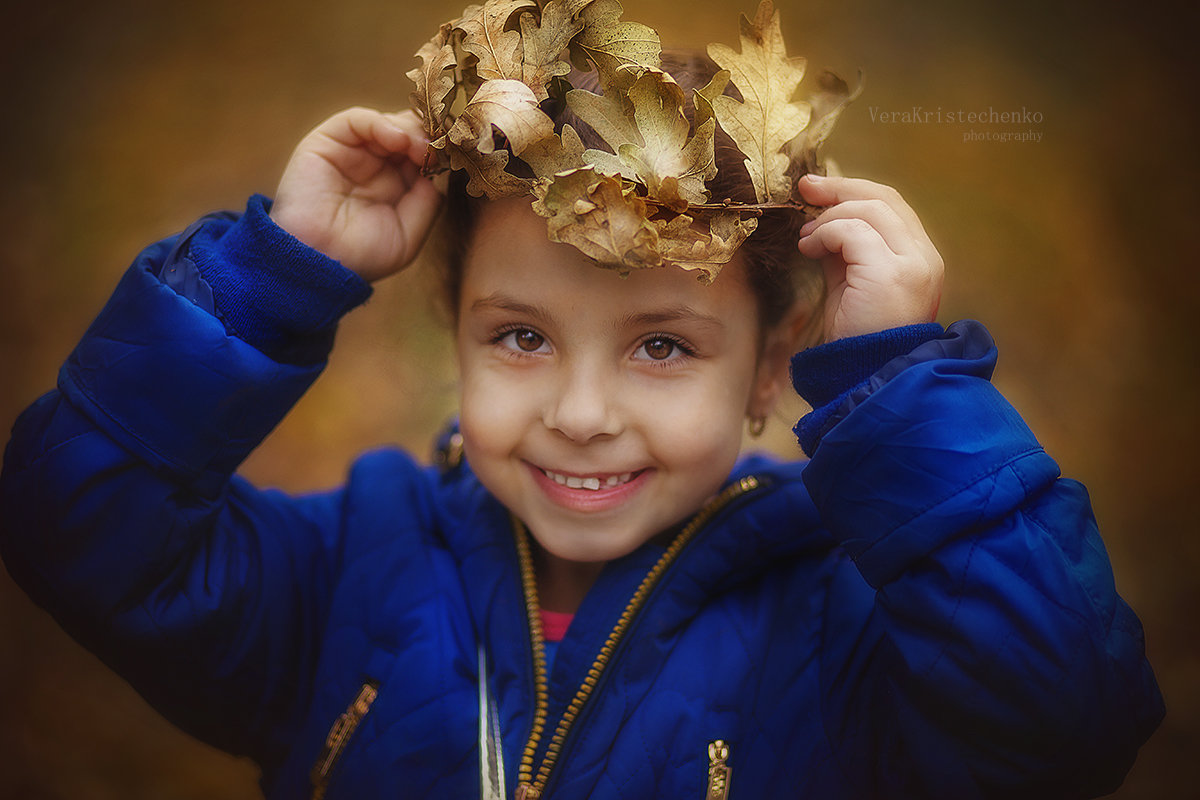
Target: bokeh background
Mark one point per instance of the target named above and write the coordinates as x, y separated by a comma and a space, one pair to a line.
124, 120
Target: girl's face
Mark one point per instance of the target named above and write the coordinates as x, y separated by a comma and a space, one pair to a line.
600, 410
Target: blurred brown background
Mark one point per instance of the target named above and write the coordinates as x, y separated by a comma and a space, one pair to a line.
125, 120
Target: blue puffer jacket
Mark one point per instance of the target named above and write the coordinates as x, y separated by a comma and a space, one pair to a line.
922, 610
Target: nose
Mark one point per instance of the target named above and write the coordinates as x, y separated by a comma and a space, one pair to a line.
583, 407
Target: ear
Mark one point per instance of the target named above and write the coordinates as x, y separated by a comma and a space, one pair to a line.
771, 375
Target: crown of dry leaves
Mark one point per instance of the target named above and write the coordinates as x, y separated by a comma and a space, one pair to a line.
480, 92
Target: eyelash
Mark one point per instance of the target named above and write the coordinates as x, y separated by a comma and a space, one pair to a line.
504, 332
683, 348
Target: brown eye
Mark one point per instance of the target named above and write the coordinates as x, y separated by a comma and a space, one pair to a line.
528, 340
659, 348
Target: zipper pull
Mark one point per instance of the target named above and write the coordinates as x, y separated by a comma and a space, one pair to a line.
526, 791
339, 736
720, 774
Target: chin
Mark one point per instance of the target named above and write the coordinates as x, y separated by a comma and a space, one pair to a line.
588, 546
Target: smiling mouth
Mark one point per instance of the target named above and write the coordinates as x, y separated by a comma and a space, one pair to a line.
592, 482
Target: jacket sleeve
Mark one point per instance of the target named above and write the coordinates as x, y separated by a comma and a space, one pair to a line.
118, 512
988, 653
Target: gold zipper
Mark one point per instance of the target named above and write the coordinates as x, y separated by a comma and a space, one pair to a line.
719, 773
537, 640
339, 736
530, 786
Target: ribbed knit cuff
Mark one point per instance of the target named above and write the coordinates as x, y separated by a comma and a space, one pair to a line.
826, 375
272, 290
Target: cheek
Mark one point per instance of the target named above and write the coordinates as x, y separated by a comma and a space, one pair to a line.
497, 407
486, 417
699, 428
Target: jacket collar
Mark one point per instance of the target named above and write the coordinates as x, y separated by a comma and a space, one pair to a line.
750, 535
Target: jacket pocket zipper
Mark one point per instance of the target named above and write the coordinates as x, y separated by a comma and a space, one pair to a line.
339, 736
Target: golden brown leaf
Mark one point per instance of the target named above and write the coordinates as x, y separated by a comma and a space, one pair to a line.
667, 152
610, 114
648, 132
553, 154
544, 42
486, 172
510, 106
768, 118
682, 243
702, 98
828, 103
609, 43
435, 81
595, 214
487, 37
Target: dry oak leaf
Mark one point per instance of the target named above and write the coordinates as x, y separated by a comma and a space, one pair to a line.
598, 216
545, 41
470, 143
486, 172
669, 163
510, 106
702, 99
768, 119
434, 80
609, 43
485, 36
554, 154
610, 114
828, 103
683, 244
645, 126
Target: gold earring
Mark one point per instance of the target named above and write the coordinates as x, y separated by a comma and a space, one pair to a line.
757, 426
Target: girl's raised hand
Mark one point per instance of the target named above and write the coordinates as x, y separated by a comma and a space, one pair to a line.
881, 269
353, 190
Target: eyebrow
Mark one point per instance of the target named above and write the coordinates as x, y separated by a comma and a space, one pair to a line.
502, 302
675, 313
678, 313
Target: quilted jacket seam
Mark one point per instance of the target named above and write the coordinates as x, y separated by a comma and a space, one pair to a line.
80, 386
968, 483
962, 576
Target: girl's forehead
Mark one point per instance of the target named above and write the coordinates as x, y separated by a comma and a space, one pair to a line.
511, 256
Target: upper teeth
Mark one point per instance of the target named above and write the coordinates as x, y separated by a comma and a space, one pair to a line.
594, 484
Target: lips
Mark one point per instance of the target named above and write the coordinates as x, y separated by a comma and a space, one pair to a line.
589, 493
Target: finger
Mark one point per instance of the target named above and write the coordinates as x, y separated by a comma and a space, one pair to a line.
830, 190
834, 190
416, 212
878, 214
365, 129
360, 142
855, 240
411, 124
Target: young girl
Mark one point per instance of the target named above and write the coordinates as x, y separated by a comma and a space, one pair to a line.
590, 595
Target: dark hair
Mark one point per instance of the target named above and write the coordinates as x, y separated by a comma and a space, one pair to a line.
776, 272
